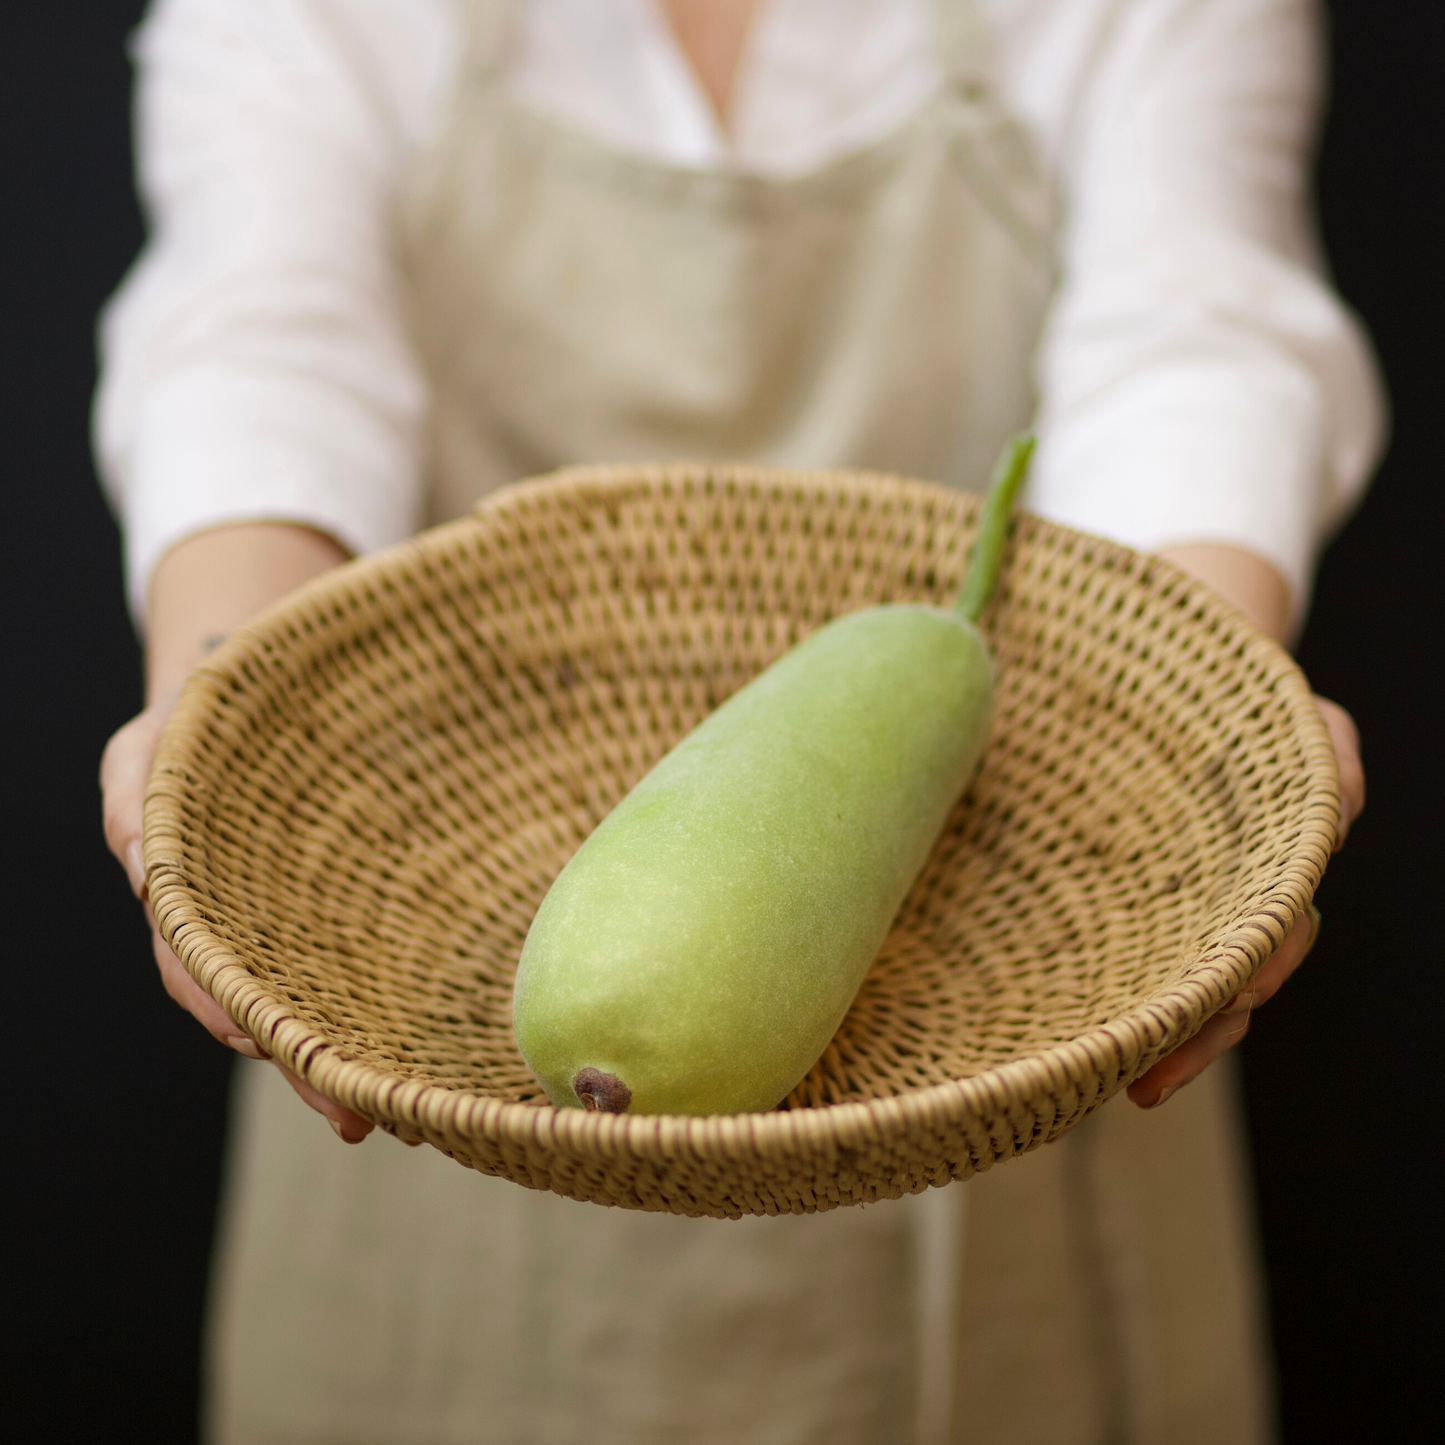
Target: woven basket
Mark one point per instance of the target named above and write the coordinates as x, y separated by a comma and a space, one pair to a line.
362, 799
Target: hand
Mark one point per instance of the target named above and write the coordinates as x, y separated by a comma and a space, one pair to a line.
1231, 1023
124, 770
205, 585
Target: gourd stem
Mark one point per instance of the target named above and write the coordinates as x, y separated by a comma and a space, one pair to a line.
983, 557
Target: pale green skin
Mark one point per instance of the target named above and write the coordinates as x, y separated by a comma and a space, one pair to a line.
705, 942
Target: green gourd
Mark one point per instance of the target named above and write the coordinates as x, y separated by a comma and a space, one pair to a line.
702, 946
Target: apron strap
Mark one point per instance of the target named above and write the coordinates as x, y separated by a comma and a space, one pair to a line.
962, 44
987, 145
488, 28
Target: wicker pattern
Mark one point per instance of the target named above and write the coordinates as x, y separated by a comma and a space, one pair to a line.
362, 799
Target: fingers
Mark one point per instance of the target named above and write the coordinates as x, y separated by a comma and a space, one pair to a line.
1231, 1023
185, 991
1189, 1060
1279, 965
349, 1127
125, 768
1346, 738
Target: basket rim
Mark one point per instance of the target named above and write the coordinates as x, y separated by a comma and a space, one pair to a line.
414, 1109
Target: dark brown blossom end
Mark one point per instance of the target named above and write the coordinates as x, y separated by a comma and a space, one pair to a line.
601, 1093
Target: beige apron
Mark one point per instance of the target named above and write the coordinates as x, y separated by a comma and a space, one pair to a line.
573, 304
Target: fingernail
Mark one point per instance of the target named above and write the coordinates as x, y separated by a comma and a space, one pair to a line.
340, 1131
135, 868
1241, 1003
1316, 921
243, 1045
1165, 1094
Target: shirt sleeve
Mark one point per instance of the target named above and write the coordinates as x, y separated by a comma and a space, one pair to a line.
255, 364
1199, 379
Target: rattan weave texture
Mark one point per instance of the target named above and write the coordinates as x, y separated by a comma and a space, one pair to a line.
361, 800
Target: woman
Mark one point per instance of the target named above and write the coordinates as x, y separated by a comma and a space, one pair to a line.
407, 250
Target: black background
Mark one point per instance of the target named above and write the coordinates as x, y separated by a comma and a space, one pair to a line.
115, 1103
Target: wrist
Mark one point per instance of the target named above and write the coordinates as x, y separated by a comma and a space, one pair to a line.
1242, 578
212, 582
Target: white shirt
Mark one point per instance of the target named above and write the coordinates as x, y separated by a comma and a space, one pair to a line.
1198, 379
